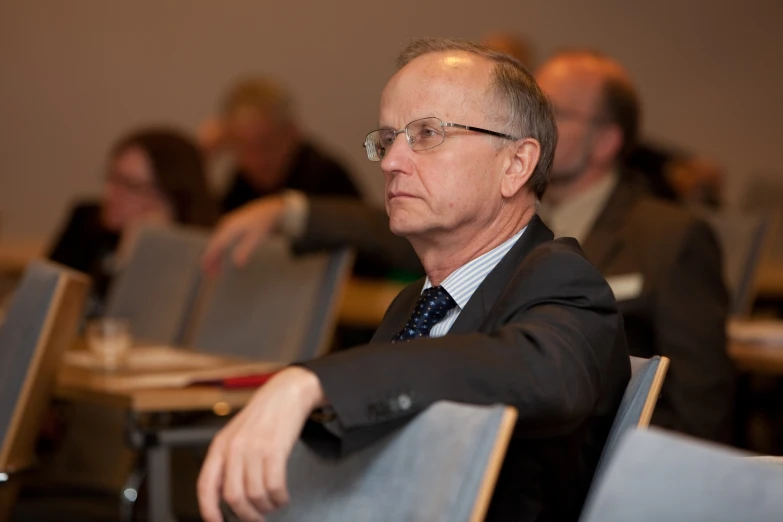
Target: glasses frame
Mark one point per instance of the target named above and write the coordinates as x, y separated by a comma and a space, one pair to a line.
443, 124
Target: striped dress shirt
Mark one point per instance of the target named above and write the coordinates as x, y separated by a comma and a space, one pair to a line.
461, 283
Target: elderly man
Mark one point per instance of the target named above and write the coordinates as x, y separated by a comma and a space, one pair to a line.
664, 264
465, 143
270, 154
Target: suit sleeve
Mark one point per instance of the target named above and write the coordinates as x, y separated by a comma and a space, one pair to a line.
691, 311
339, 222
556, 334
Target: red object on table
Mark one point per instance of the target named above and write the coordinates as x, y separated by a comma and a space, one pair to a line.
247, 381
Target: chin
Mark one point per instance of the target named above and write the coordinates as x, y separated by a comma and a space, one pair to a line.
404, 226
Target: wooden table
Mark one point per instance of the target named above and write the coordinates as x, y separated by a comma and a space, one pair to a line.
138, 390
365, 301
769, 284
16, 253
756, 346
759, 358
145, 390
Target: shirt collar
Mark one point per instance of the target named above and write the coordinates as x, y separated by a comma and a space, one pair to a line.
463, 282
575, 216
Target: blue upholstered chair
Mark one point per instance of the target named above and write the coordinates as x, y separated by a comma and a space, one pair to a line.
157, 288
40, 324
638, 402
442, 466
656, 475
279, 307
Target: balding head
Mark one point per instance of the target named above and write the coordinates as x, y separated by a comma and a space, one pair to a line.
614, 98
513, 99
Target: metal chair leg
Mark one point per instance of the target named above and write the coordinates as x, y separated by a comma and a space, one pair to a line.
130, 490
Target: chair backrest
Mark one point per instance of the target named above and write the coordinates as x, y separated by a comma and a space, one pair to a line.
442, 466
279, 307
743, 239
40, 324
637, 405
157, 288
657, 475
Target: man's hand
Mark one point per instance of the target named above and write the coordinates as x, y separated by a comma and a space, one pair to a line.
248, 226
246, 462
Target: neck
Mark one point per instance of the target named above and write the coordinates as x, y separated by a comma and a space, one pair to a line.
558, 193
441, 256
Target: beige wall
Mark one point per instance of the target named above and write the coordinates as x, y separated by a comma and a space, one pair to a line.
76, 74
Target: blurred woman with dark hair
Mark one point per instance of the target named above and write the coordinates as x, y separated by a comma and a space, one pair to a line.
154, 175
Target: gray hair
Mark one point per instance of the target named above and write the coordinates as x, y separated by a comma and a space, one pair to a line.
262, 94
524, 108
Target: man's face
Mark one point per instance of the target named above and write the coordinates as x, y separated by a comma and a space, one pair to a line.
257, 141
575, 95
454, 187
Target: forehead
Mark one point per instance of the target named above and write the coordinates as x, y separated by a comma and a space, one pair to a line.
444, 84
133, 161
250, 120
571, 83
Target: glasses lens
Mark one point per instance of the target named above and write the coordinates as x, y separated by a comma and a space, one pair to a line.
425, 133
377, 142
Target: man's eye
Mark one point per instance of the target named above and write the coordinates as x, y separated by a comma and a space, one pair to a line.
387, 139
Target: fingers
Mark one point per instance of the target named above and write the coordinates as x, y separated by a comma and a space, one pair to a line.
234, 492
275, 479
246, 246
257, 493
246, 463
219, 242
209, 486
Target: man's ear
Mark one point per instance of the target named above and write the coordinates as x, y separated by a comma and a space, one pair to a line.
520, 167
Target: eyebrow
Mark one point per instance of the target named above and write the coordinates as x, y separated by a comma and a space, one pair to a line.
430, 115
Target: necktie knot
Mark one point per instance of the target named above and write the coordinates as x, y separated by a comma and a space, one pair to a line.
433, 305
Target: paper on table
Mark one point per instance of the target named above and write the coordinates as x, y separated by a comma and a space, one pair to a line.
157, 358
156, 367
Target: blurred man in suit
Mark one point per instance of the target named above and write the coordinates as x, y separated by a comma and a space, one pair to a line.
270, 154
664, 265
669, 172
506, 314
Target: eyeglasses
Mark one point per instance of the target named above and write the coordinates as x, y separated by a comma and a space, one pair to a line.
140, 188
421, 134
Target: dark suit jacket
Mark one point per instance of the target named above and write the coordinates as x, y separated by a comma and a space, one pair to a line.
311, 172
541, 333
681, 310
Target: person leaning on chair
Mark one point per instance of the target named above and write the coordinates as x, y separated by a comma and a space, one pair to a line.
506, 314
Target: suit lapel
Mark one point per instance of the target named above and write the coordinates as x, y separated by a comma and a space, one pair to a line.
605, 240
483, 299
398, 313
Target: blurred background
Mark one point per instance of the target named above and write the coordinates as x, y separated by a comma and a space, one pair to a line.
78, 74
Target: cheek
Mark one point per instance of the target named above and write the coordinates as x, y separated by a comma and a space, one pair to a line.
462, 184
569, 140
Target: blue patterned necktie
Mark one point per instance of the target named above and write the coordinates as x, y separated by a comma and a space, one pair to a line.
433, 305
